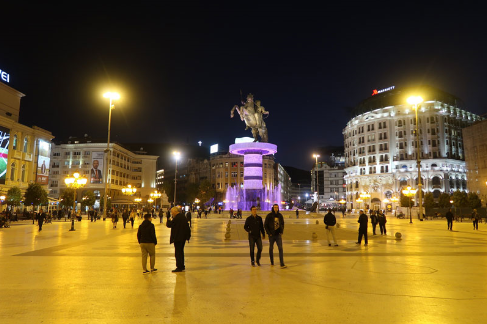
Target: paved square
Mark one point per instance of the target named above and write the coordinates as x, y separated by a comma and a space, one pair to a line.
94, 275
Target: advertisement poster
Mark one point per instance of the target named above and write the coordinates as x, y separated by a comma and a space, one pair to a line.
4, 141
96, 175
43, 160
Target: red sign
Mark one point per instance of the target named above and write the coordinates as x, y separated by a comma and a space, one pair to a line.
374, 92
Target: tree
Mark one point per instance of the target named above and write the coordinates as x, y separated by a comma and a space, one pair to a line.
460, 199
474, 201
404, 200
206, 192
192, 191
444, 200
88, 199
67, 198
14, 196
429, 201
35, 195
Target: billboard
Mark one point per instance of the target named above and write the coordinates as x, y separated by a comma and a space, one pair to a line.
43, 159
4, 141
96, 174
214, 149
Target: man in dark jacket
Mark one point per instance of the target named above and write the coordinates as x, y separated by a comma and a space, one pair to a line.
362, 231
40, 219
146, 235
274, 226
188, 217
255, 227
373, 220
449, 218
180, 232
330, 221
125, 217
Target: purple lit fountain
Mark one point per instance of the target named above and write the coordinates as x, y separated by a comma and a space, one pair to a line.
253, 192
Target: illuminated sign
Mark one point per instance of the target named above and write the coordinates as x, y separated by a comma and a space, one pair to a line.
96, 175
375, 91
214, 148
243, 140
4, 141
43, 160
4, 76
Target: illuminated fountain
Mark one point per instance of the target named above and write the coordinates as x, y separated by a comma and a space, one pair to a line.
253, 192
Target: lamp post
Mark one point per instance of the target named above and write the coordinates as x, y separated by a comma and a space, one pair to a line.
365, 195
394, 199
176, 157
409, 192
112, 96
316, 156
138, 200
359, 200
156, 194
416, 102
75, 181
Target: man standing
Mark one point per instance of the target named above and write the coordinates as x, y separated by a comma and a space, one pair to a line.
362, 231
274, 226
161, 215
449, 218
255, 227
180, 232
374, 220
475, 218
146, 235
125, 217
330, 221
382, 223
40, 219
188, 217
297, 213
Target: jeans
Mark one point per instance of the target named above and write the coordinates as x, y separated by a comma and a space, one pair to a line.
179, 254
278, 239
252, 242
450, 224
382, 228
476, 224
150, 249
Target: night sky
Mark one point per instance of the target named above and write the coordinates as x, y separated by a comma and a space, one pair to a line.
180, 66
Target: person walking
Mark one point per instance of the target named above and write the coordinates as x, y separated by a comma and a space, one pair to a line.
180, 233
381, 217
449, 219
373, 220
132, 216
362, 230
297, 213
40, 219
125, 217
475, 218
114, 218
255, 227
161, 215
330, 221
188, 217
274, 227
146, 236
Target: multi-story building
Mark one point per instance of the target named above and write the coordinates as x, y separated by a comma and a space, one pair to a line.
380, 145
328, 182
86, 156
284, 180
25, 151
475, 145
159, 178
227, 170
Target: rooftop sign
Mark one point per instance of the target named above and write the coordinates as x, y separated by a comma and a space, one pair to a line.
375, 91
4, 76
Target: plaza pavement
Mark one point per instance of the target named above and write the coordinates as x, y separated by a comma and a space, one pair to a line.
94, 275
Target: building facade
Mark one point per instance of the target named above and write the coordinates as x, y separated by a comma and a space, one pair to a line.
25, 151
380, 145
328, 182
475, 144
124, 167
284, 180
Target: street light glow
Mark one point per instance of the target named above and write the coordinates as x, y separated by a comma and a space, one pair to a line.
414, 100
176, 155
111, 95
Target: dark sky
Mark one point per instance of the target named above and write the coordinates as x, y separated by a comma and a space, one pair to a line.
180, 66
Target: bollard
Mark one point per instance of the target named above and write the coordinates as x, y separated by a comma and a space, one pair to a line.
398, 235
227, 235
315, 236
317, 222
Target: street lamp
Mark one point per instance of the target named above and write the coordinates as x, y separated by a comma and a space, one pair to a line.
112, 96
359, 200
365, 195
394, 200
176, 157
75, 181
409, 192
129, 190
316, 156
416, 102
156, 194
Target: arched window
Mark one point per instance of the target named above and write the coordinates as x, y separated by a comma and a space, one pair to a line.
12, 172
23, 173
26, 144
14, 145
